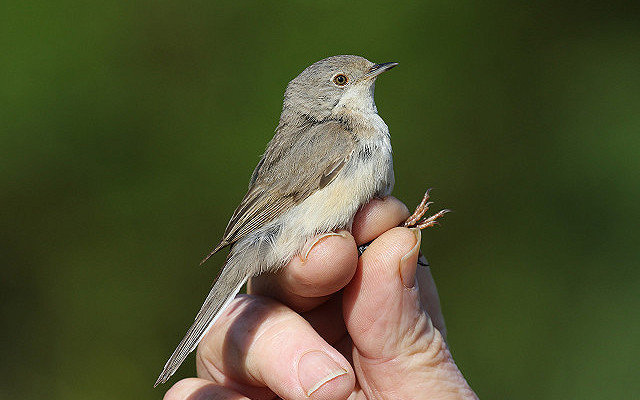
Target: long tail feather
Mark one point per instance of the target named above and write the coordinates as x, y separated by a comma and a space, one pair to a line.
228, 284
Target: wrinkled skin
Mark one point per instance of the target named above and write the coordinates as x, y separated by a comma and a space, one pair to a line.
335, 326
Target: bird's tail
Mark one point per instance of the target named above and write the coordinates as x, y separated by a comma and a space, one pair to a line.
228, 284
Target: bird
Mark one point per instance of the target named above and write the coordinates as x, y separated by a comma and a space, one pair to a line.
330, 154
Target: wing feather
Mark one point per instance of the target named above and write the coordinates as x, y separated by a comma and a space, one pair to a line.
293, 167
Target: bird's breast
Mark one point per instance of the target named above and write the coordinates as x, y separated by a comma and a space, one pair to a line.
367, 174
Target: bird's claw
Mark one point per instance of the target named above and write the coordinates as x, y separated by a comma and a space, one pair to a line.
415, 221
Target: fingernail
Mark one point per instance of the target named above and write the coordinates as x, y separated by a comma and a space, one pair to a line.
318, 239
315, 369
409, 262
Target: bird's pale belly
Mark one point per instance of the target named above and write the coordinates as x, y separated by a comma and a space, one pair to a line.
334, 206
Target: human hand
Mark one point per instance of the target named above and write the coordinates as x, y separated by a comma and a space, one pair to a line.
334, 325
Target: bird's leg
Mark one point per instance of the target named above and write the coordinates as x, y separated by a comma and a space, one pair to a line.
415, 221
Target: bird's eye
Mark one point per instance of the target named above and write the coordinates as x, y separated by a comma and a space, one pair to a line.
340, 79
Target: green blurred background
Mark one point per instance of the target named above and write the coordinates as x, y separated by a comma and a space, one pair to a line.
128, 132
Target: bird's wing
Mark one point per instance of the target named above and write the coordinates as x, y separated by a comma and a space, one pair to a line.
292, 169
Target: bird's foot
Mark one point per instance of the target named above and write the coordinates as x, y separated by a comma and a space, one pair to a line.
415, 221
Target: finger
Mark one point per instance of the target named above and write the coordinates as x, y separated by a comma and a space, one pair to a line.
382, 300
259, 343
329, 261
306, 281
377, 217
429, 297
396, 344
201, 389
327, 320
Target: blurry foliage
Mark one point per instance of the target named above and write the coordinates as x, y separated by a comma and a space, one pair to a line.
128, 131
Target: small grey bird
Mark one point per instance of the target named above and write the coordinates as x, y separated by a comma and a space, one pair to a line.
331, 154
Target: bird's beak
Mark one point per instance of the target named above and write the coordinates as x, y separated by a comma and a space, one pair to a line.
377, 69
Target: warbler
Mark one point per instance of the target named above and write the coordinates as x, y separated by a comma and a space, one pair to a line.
331, 154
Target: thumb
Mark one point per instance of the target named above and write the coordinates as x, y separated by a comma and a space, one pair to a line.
396, 346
